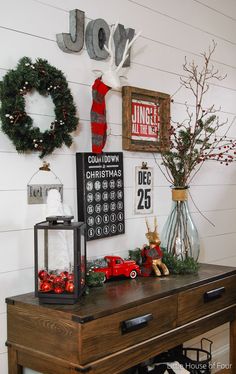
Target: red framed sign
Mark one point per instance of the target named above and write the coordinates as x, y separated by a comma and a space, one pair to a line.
146, 118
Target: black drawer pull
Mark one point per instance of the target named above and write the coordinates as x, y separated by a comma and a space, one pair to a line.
213, 294
135, 323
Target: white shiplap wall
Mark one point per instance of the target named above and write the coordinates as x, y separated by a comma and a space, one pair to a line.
170, 30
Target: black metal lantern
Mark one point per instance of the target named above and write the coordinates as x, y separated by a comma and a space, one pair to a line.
60, 260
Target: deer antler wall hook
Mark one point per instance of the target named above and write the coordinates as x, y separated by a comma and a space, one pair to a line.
107, 80
111, 76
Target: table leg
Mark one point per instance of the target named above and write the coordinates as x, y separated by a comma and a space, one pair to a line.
13, 367
233, 345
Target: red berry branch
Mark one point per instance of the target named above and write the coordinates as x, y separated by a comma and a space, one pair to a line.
196, 139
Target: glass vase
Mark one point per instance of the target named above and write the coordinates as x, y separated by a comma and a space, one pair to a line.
179, 236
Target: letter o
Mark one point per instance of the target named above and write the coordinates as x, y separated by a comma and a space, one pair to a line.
96, 35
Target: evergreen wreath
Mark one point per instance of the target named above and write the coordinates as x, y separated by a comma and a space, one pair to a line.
18, 125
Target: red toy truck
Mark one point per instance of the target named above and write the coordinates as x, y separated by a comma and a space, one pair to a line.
117, 266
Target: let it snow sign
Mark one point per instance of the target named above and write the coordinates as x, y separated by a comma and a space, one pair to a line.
143, 190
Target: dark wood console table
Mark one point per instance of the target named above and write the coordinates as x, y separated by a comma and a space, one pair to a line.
121, 324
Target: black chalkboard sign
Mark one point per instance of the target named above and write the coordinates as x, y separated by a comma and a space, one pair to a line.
100, 193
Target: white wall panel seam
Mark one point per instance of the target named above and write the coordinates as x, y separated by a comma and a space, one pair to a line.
131, 218
184, 50
155, 11
16, 230
81, 119
154, 186
146, 66
217, 235
15, 271
222, 259
183, 22
50, 6
141, 36
27, 33
215, 10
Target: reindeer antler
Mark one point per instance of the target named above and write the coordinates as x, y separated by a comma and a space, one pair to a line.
110, 44
127, 47
111, 77
110, 47
155, 223
147, 224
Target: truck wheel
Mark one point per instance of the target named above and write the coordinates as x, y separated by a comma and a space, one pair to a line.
133, 274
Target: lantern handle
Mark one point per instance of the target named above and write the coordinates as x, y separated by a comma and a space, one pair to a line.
54, 220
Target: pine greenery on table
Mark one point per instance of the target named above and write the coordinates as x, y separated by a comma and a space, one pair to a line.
175, 265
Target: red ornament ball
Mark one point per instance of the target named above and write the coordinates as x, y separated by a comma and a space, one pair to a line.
58, 281
71, 277
52, 277
64, 274
46, 286
58, 289
43, 275
70, 287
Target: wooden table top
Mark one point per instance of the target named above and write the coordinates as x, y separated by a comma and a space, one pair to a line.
118, 295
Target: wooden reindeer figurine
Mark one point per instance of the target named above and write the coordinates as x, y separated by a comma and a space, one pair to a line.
107, 80
152, 254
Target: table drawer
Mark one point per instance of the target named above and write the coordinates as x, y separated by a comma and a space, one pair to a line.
206, 299
120, 330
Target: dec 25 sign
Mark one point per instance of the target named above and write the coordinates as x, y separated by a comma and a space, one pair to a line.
143, 190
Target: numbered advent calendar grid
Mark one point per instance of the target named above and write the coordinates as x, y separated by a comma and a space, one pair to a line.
101, 193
